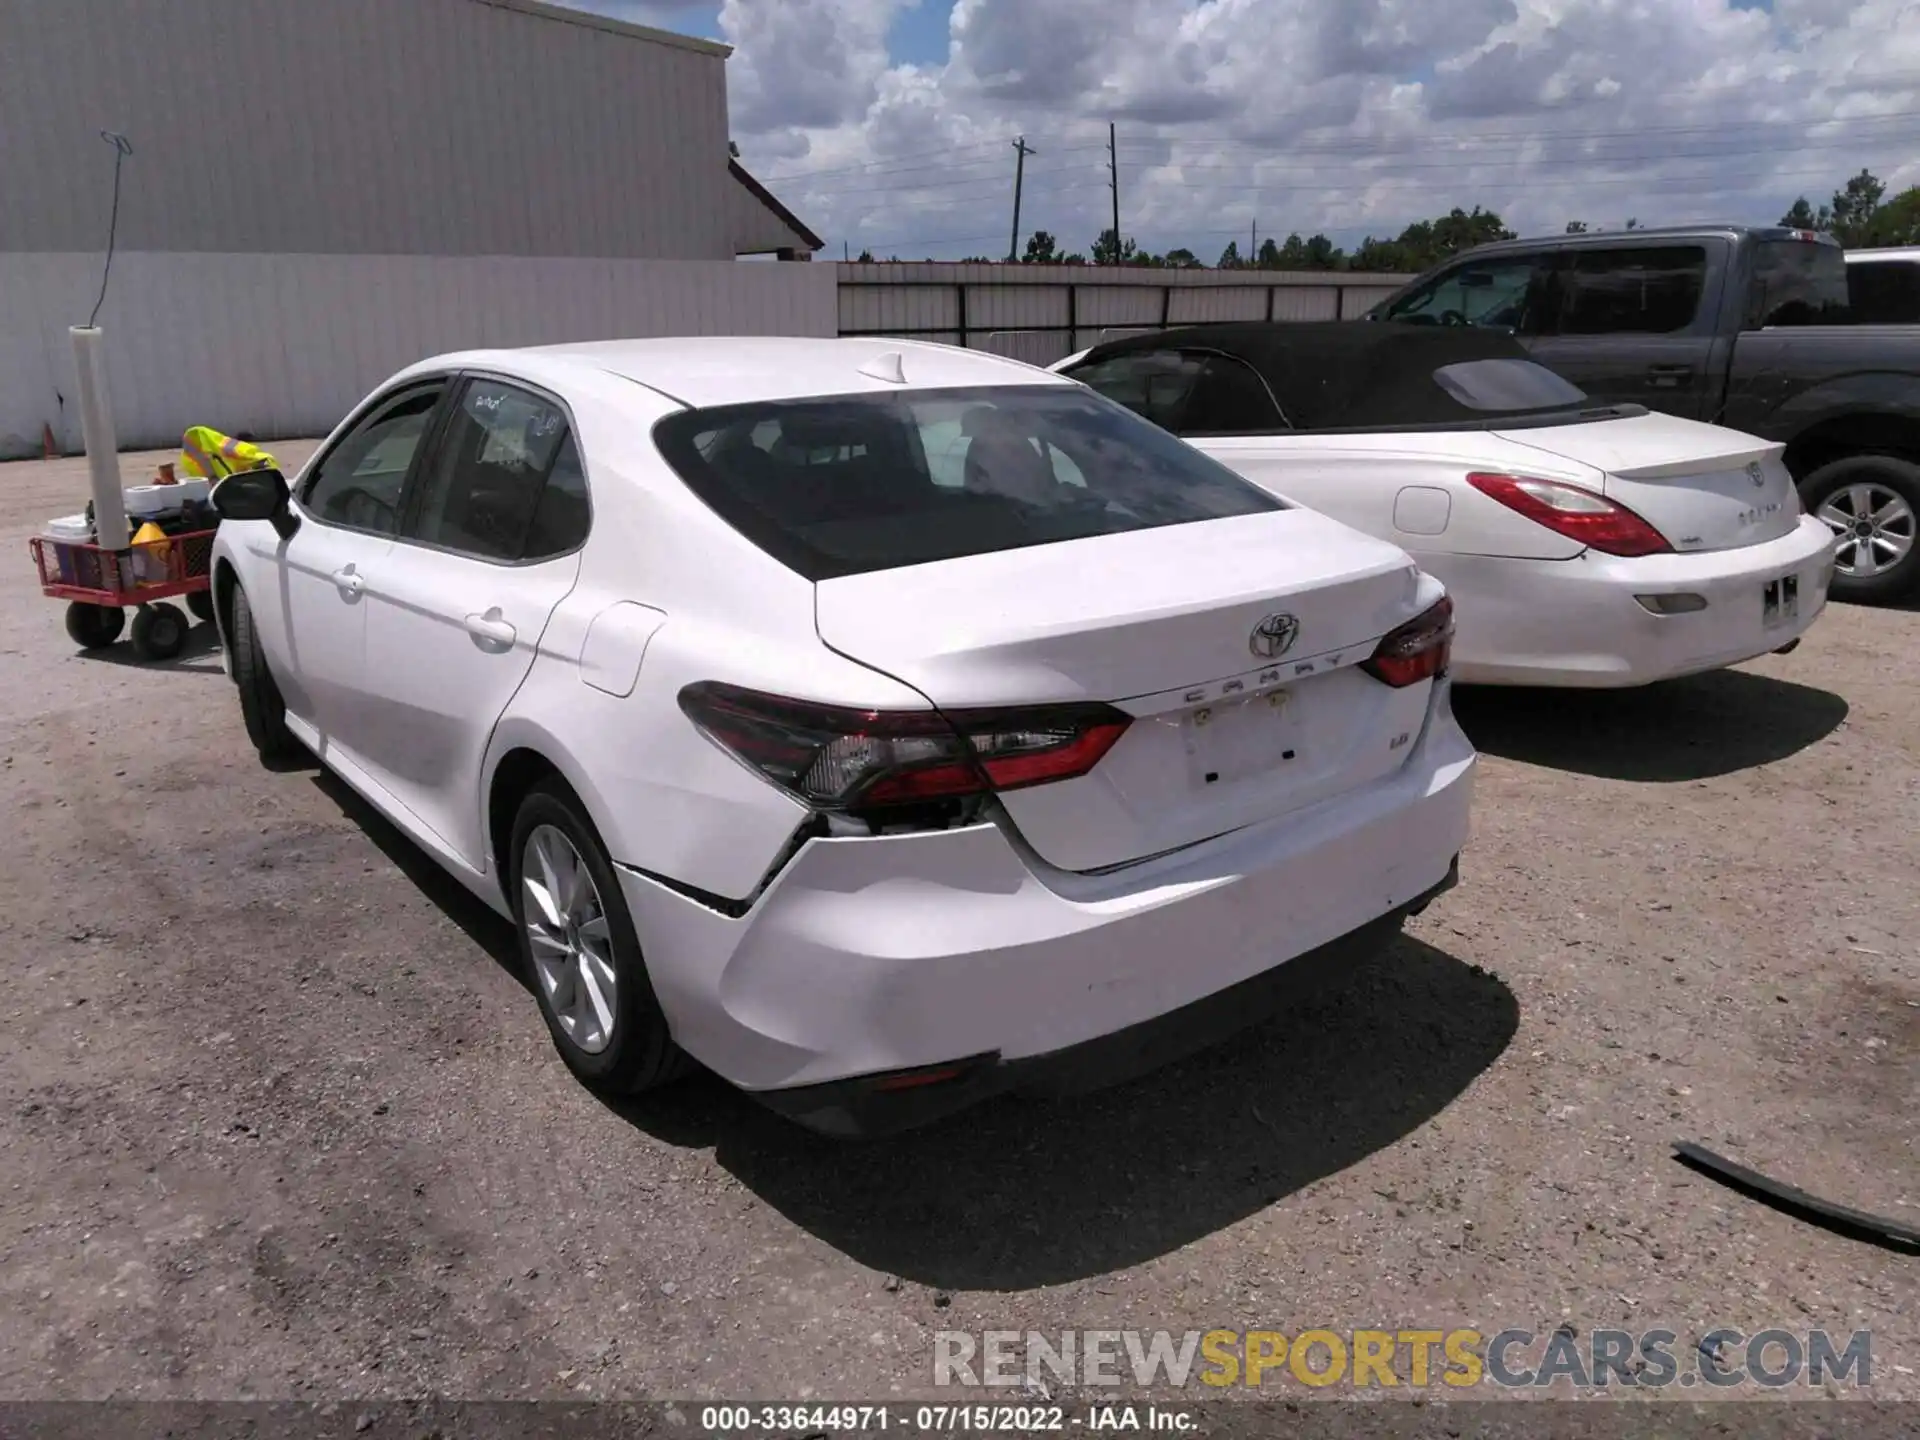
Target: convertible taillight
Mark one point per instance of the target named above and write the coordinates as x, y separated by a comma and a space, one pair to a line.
1576, 513
1415, 651
861, 761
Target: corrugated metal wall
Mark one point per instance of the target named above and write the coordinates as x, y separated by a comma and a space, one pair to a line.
284, 345
385, 127
1043, 313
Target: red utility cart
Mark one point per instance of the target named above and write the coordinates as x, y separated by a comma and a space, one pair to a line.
99, 584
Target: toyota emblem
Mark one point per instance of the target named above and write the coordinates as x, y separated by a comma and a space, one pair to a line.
1757, 475
1274, 636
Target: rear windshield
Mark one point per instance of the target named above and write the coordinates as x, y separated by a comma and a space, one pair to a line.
1797, 282
856, 483
1507, 387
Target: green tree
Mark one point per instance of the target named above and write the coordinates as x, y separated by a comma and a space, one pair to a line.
1323, 254
1269, 256
1110, 250
1898, 221
865, 257
1854, 205
1042, 249
1181, 258
1230, 257
1802, 216
1576, 227
1293, 254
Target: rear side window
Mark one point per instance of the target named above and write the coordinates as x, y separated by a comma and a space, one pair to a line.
1636, 290
857, 483
1884, 292
1192, 392
1797, 282
1154, 384
505, 483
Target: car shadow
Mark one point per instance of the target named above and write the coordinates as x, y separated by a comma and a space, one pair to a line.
1022, 1193
1690, 729
476, 921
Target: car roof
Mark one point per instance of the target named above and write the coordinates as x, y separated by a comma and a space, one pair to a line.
1339, 373
708, 370
1638, 235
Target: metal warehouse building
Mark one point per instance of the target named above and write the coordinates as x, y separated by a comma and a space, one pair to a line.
321, 191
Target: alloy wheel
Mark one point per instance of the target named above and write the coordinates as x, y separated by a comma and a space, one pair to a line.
570, 940
1875, 528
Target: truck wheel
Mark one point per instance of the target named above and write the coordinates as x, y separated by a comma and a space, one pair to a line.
1872, 505
92, 627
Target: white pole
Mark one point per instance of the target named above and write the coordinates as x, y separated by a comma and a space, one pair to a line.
96, 425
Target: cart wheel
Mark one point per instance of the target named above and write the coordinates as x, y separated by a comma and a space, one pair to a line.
93, 627
200, 602
159, 632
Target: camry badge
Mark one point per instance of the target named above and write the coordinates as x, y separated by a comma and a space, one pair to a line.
1274, 636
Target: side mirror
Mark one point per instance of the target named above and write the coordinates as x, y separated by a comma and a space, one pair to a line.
257, 495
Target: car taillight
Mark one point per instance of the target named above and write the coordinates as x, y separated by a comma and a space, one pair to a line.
1415, 651
835, 759
1578, 514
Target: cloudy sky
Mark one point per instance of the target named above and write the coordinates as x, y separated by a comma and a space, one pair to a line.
889, 124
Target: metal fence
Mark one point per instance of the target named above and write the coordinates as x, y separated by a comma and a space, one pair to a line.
1043, 313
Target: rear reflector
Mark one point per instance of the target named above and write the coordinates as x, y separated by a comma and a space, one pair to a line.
1415, 651
1576, 513
861, 761
1683, 603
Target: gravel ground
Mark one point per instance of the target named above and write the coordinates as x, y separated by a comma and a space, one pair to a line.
280, 1120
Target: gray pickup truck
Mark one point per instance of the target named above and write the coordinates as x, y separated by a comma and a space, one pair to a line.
1744, 327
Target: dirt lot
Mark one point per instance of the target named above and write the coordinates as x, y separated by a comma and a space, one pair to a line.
280, 1120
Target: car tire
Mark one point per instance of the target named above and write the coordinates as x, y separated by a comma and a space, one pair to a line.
262, 709
94, 627
200, 605
577, 943
1885, 490
159, 632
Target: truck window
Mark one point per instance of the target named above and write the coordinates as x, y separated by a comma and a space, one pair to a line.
1503, 292
1884, 292
1797, 282
1635, 290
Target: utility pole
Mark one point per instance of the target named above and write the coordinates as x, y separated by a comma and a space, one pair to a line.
1113, 164
1253, 240
1021, 150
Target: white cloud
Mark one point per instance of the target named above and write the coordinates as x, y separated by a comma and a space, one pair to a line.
1341, 116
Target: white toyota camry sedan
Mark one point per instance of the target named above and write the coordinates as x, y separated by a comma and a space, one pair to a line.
882, 725
1584, 545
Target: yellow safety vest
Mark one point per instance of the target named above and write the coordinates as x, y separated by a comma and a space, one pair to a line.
206, 454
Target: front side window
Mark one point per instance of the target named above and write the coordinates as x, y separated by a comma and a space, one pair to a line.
357, 483
1501, 292
486, 491
1635, 290
857, 483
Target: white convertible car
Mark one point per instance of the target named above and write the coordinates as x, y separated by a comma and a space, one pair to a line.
1582, 545
884, 725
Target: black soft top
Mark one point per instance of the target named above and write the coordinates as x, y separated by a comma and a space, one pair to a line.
1342, 374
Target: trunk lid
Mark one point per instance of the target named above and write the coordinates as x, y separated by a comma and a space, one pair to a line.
1160, 623
1700, 486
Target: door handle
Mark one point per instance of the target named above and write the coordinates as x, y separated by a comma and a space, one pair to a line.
1669, 376
349, 582
491, 630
